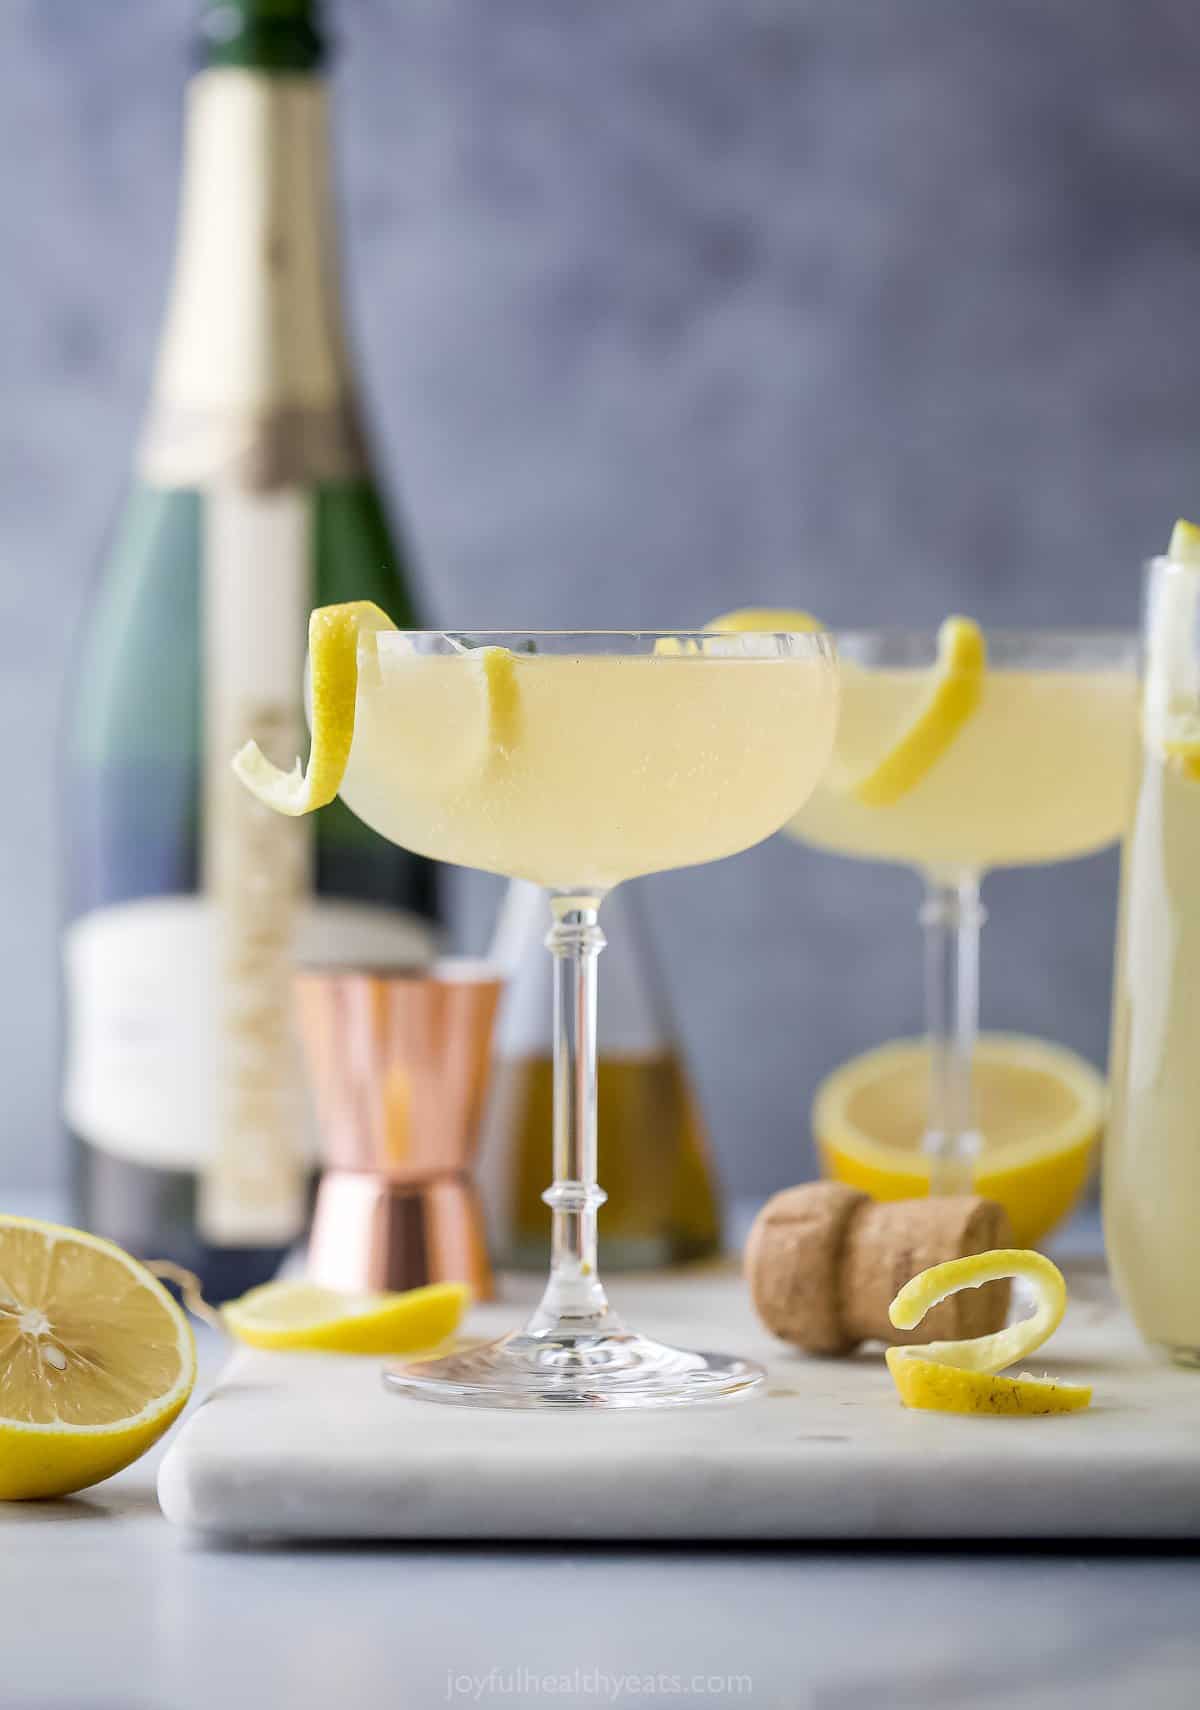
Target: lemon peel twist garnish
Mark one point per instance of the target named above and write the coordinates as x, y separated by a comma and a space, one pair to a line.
960, 1376
501, 696
954, 693
333, 634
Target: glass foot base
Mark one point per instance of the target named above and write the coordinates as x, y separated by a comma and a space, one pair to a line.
613, 1368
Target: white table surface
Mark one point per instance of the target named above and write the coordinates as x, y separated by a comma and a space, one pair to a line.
103, 1606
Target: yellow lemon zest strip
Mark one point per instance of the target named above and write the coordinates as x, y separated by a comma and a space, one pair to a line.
499, 669
333, 634
1004, 1347
955, 692
958, 1376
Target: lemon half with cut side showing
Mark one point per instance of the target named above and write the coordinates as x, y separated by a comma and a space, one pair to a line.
96, 1359
961, 1376
301, 1315
1039, 1108
953, 694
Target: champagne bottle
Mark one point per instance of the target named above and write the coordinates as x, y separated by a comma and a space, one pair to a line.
663, 1206
252, 501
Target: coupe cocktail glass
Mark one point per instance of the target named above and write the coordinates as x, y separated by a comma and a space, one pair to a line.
1041, 771
579, 760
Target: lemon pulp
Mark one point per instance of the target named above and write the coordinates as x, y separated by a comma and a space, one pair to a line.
1040, 1109
96, 1359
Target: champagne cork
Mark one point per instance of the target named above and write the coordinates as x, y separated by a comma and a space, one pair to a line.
824, 1263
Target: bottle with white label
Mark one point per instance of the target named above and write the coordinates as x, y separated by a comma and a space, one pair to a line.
662, 1200
252, 501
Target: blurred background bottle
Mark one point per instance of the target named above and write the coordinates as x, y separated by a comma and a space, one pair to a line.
252, 500
663, 1203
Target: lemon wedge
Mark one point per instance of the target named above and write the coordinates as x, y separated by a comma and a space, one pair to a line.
96, 1359
960, 1376
1040, 1110
954, 693
300, 1315
333, 633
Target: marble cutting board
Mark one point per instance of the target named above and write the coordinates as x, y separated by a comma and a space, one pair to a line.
312, 1446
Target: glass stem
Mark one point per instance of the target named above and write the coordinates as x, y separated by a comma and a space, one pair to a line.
952, 916
574, 1302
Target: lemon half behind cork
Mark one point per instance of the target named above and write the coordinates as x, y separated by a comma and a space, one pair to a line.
962, 1376
1040, 1109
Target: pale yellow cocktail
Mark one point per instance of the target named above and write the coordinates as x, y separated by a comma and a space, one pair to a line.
1042, 771
594, 768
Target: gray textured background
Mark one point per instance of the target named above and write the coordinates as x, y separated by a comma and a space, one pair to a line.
884, 307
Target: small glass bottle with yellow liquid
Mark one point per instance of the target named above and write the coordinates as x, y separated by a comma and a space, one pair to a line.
1152, 1150
663, 1203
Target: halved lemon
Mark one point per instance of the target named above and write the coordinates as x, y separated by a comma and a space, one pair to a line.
96, 1359
300, 1315
1040, 1109
961, 1376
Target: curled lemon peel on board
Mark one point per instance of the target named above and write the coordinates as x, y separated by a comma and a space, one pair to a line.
961, 1376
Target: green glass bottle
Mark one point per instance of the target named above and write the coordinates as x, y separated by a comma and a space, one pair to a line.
252, 501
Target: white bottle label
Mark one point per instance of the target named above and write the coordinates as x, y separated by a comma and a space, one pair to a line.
142, 981
141, 1046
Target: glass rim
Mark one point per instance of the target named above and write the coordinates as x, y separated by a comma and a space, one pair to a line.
1106, 633
822, 631
1045, 649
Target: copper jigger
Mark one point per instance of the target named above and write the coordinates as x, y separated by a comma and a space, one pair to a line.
398, 1063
